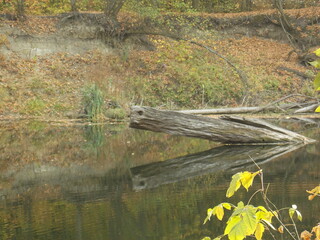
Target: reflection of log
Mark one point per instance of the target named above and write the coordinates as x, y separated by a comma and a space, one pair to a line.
225, 130
224, 158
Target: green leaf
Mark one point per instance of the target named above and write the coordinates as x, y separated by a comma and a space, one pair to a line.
238, 209
291, 212
317, 52
259, 231
250, 219
243, 222
294, 210
234, 184
235, 229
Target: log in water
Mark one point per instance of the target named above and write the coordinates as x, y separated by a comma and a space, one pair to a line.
230, 130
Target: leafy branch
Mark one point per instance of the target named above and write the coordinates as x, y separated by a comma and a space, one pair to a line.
248, 220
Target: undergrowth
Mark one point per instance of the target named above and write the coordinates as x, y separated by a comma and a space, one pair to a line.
92, 101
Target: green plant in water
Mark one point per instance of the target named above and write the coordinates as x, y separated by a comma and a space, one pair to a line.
92, 101
316, 64
248, 220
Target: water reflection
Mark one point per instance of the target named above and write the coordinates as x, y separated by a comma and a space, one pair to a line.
76, 182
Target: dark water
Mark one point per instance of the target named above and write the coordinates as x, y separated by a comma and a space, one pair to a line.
114, 183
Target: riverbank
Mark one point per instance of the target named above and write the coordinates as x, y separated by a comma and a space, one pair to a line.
49, 63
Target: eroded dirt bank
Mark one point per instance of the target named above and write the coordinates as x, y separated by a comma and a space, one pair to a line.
46, 62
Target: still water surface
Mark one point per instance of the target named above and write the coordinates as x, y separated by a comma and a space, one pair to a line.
114, 183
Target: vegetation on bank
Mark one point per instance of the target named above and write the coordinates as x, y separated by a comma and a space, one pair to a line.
40, 7
151, 69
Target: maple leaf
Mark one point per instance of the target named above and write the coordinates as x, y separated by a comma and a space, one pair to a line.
306, 235
316, 230
314, 192
280, 229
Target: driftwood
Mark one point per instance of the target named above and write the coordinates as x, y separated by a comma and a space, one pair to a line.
231, 130
310, 108
235, 110
216, 160
301, 108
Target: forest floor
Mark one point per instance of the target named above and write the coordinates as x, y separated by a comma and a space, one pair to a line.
40, 80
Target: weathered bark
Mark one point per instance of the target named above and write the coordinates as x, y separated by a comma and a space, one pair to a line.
73, 4
233, 130
308, 109
292, 107
220, 159
113, 7
226, 110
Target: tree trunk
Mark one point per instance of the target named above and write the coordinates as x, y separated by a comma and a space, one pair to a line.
73, 5
20, 9
195, 4
231, 130
113, 7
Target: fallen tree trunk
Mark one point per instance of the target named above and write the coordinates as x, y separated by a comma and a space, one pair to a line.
216, 160
302, 108
235, 110
232, 130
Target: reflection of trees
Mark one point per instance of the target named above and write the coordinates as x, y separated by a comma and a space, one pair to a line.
80, 201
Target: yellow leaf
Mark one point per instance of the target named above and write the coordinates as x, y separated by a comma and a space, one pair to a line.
316, 190
218, 211
234, 184
209, 214
259, 231
280, 229
226, 205
206, 238
306, 235
247, 179
316, 230
317, 52
318, 109
266, 216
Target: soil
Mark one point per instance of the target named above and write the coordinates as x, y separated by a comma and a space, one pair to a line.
46, 61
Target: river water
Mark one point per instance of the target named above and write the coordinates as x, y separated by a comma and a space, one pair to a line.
110, 182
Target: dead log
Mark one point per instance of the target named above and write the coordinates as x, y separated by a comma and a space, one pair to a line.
235, 110
216, 160
308, 109
231, 130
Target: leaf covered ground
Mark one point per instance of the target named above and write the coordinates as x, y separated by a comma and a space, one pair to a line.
176, 74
